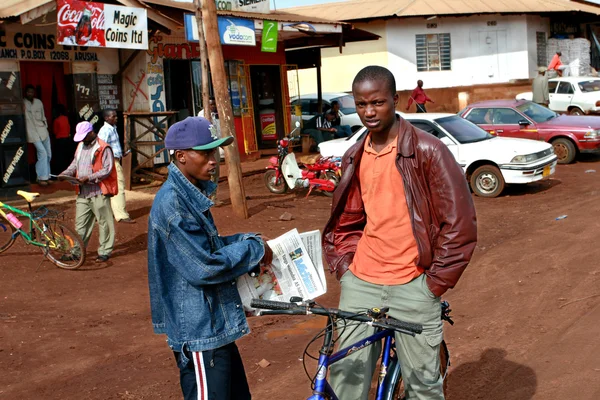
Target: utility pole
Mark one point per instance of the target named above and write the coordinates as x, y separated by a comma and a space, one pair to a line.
219, 80
203, 61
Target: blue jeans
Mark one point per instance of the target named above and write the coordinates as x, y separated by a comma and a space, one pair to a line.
44, 154
343, 131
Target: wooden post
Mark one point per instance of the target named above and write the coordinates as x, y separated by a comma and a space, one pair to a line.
219, 80
203, 62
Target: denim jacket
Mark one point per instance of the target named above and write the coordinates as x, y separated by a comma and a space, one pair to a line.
192, 270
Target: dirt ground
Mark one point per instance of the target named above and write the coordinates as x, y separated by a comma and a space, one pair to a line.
527, 309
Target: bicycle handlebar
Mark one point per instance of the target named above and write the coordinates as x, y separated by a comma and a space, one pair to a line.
280, 307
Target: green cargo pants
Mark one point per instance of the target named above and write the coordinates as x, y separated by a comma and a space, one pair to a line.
418, 356
87, 212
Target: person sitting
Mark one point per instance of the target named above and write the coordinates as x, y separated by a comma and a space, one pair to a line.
319, 128
336, 122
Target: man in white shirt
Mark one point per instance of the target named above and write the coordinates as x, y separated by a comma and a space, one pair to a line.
214, 119
37, 133
109, 134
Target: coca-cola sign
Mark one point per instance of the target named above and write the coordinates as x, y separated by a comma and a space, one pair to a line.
101, 25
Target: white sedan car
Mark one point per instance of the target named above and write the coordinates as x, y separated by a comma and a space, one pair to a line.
575, 95
309, 104
489, 162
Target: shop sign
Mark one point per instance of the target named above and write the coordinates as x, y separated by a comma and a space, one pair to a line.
237, 31
269, 37
255, 6
40, 47
101, 25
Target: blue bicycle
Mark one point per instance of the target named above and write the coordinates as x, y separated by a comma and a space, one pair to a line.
389, 385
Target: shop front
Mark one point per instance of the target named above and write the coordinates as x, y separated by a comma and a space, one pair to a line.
257, 86
80, 80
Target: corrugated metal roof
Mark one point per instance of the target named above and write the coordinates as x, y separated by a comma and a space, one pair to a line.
368, 9
14, 8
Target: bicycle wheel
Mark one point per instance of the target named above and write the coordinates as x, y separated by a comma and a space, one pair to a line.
63, 246
7, 237
444, 364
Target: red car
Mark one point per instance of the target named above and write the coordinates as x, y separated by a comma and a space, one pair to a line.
569, 134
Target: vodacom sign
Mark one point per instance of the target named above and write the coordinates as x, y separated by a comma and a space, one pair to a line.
101, 25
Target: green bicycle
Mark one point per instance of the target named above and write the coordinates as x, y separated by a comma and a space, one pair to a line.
43, 228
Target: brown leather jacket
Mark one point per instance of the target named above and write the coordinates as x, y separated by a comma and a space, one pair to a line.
439, 202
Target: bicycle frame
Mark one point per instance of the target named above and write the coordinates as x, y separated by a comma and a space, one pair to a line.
28, 236
326, 359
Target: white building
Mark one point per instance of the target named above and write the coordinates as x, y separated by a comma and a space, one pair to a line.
446, 44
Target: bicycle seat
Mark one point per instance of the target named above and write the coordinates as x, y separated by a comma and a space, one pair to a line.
28, 196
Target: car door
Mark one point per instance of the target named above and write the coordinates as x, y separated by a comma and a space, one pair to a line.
561, 100
552, 86
506, 122
482, 117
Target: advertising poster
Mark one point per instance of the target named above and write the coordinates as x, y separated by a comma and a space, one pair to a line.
101, 25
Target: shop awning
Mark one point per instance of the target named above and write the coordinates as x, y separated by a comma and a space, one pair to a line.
14, 8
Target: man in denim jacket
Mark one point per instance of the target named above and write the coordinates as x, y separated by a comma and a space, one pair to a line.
192, 270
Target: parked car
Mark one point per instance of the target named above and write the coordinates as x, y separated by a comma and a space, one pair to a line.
309, 106
489, 162
569, 134
574, 95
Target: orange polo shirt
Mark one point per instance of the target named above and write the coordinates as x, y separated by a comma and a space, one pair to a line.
386, 253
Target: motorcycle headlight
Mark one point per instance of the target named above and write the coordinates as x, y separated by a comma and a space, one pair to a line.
524, 159
593, 134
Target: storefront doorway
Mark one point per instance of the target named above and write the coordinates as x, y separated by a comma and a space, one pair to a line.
180, 98
268, 108
49, 80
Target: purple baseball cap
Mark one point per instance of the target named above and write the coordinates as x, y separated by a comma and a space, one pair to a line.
81, 131
194, 133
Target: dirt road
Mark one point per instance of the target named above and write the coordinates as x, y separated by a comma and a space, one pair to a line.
526, 309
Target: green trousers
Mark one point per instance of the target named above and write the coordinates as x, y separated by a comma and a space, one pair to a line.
87, 212
418, 356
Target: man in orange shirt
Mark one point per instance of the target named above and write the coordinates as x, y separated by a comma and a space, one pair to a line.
556, 64
401, 232
419, 97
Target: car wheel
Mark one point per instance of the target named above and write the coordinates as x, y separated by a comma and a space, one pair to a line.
487, 181
565, 150
575, 111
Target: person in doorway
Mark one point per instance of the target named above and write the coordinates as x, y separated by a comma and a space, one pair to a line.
109, 134
94, 169
541, 94
37, 133
336, 122
557, 65
61, 128
214, 119
419, 97
192, 271
392, 243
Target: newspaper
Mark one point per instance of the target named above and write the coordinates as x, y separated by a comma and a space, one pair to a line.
297, 270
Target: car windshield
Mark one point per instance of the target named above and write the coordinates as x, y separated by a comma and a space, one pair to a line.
347, 105
463, 130
589, 86
536, 112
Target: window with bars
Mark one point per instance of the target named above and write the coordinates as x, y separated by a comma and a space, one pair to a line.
434, 52
542, 58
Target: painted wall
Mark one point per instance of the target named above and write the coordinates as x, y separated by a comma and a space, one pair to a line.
535, 24
338, 70
485, 50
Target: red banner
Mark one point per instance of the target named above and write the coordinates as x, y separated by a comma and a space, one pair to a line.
101, 25
80, 23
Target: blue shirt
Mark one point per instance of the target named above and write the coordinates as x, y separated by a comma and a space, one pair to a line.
109, 134
192, 271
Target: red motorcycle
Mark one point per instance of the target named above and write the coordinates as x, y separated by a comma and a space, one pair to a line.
284, 171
